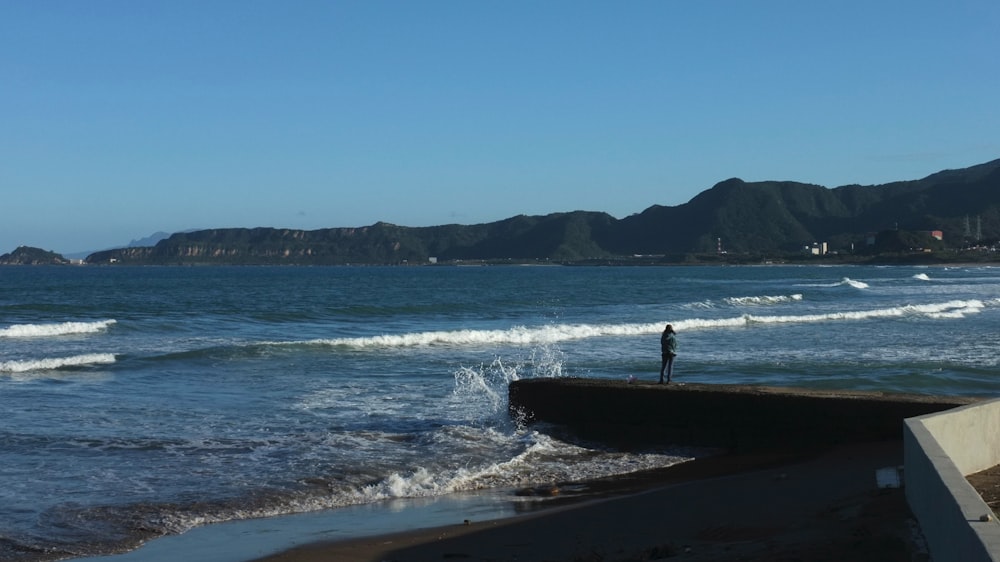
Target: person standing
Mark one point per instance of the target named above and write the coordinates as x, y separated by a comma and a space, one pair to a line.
668, 350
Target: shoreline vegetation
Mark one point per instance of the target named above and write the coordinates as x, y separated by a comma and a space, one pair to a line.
942, 261
980, 256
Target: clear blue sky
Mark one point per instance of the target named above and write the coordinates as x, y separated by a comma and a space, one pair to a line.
122, 118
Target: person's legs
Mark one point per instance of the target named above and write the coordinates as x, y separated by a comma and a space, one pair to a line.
670, 368
663, 366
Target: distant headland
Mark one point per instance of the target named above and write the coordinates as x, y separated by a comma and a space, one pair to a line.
26, 255
948, 217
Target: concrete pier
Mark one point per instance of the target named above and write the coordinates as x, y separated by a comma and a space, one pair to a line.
945, 438
735, 417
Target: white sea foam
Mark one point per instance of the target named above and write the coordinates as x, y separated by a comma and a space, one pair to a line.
555, 333
56, 329
922, 277
951, 309
699, 305
845, 282
518, 335
544, 461
763, 300
53, 363
487, 384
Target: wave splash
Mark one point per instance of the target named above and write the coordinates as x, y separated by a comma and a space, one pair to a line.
55, 329
525, 458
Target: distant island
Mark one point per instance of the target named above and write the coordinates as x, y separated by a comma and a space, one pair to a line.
26, 255
950, 216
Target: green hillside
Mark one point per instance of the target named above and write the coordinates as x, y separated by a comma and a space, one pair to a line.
771, 219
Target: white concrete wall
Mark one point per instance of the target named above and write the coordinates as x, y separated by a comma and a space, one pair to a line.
939, 451
970, 435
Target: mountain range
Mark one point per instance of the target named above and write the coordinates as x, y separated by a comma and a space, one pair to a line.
948, 210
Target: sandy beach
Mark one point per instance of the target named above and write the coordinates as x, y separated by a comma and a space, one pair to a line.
771, 505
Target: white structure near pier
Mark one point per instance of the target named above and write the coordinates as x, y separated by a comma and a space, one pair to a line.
939, 451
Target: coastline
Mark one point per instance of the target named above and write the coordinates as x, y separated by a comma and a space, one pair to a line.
798, 479
801, 474
779, 504
808, 474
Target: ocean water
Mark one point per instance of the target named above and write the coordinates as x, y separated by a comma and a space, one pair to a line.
143, 402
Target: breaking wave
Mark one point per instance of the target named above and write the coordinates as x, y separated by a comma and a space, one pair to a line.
845, 282
55, 329
53, 363
544, 459
951, 309
762, 300
554, 333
